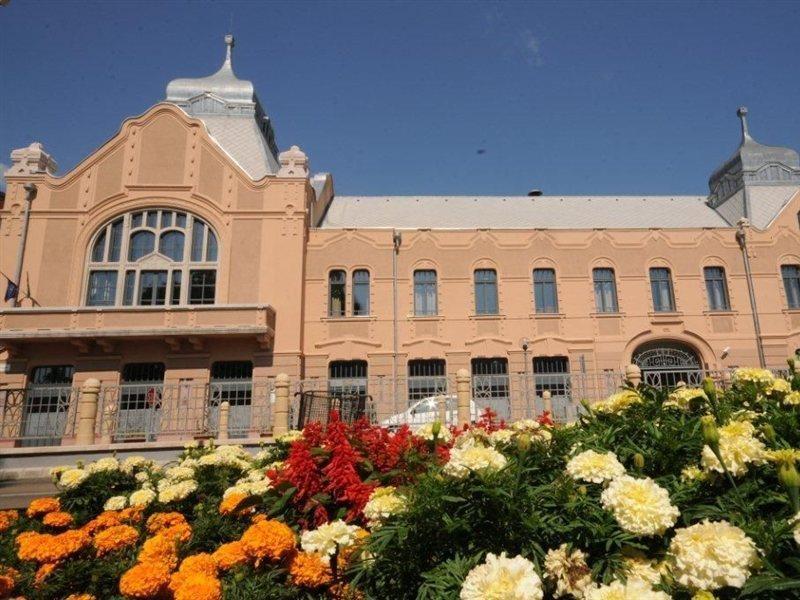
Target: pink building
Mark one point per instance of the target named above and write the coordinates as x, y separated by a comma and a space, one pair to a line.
187, 261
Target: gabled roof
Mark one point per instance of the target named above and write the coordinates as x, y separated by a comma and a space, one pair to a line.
521, 212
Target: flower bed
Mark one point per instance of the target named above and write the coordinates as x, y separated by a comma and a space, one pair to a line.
653, 494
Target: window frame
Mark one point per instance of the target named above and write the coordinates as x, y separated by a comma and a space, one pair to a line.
716, 284
342, 311
791, 285
657, 307
421, 300
600, 303
365, 287
486, 293
546, 309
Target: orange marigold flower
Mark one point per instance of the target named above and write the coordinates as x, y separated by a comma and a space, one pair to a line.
46, 548
58, 519
199, 586
161, 550
7, 519
104, 520
258, 518
132, 514
42, 574
270, 540
42, 506
343, 591
229, 504
159, 521
115, 538
145, 580
347, 552
309, 570
180, 533
230, 555
8, 579
199, 563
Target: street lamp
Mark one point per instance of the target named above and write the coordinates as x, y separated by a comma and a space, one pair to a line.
525, 342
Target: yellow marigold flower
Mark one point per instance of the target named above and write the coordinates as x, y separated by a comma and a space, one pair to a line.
199, 586
784, 455
595, 467
616, 403
640, 506
271, 540
682, 397
779, 387
738, 446
761, 377
80, 597
230, 555
8, 579
160, 549
704, 595
42, 506
115, 538
58, 519
308, 570
42, 573
792, 399
7, 518
145, 580
231, 503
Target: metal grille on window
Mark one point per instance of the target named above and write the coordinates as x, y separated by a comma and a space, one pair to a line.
426, 379
486, 292
360, 292
552, 373
661, 288
605, 290
425, 293
139, 410
347, 378
47, 405
544, 291
717, 288
337, 280
490, 387
791, 283
231, 382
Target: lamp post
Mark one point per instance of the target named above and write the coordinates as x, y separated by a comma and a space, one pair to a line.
525, 342
30, 194
741, 238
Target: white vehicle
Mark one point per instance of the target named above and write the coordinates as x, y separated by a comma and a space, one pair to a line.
427, 411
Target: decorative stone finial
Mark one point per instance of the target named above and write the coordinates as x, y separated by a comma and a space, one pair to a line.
229, 43
742, 114
32, 160
294, 163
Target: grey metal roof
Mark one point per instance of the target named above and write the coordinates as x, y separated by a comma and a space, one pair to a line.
233, 115
521, 212
767, 202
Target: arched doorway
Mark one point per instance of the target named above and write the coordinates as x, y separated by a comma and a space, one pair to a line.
666, 363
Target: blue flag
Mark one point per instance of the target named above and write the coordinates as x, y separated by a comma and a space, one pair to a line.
11, 290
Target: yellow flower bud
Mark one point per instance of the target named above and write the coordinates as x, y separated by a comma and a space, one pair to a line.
436, 428
523, 442
582, 490
769, 432
710, 432
788, 475
638, 460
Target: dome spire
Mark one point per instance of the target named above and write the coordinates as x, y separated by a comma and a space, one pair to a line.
229, 44
742, 113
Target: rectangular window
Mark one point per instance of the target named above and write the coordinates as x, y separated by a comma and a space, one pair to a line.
347, 378
661, 288
544, 290
717, 288
337, 280
232, 381
152, 288
47, 402
486, 292
426, 379
115, 244
791, 283
127, 292
102, 288
141, 388
176, 287
152, 219
202, 287
361, 292
198, 235
490, 385
425, 293
605, 291
551, 373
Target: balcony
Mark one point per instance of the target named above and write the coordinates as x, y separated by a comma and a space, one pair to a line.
104, 324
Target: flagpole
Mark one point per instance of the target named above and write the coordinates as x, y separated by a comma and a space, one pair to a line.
30, 194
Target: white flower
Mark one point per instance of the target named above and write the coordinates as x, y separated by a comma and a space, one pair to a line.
617, 403
641, 568
109, 463
568, 570
502, 578
192, 463
475, 459
501, 436
526, 425
739, 448
779, 387
594, 467
758, 376
176, 491
792, 399
382, 504
682, 397
179, 473
134, 463
327, 538
55, 472
426, 432
242, 489
191, 445
116, 503
142, 497
641, 506
72, 478
142, 476
256, 475
290, 436
711, 555
692, 473
633, 589
796, 530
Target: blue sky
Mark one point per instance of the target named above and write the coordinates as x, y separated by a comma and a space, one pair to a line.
424, 97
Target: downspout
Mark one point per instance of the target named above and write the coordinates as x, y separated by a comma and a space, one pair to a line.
30, 194
741, 238
396, 241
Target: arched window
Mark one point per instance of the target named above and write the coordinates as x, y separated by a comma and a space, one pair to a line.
486, 292
142, 259
360, 292
337, 280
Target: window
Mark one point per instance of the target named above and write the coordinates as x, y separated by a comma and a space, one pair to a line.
605, 290
490, 385
551, 373
360, 292
337, 281
232, 382
486, 292
544, 291
425, 293
102, 288
347, 377
791, 282
426, 379
160, 237
661, 288
47, 402
717, 288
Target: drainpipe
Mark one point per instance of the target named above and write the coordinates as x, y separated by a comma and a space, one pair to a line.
396, 241
741, 238
30, 194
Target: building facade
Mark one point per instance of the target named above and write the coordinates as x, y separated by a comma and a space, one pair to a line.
188, 253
